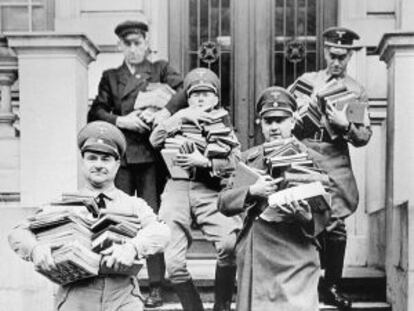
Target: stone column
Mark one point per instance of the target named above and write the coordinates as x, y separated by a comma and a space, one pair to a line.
53, 81
8, 75
397, 50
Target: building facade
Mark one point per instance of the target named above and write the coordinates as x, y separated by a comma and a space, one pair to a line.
54, 51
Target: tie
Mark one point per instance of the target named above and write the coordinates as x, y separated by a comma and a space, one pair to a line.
101, 200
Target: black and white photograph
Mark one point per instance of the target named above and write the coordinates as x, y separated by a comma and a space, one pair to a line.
206, 155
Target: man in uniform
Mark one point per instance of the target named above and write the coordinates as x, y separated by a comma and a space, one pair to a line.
101, 145
333, 156
141, 173
195, 198
277, 263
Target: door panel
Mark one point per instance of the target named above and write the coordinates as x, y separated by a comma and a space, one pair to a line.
258, 44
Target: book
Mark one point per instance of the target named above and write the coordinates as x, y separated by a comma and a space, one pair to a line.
128, 225
314, 193
244, 175
301, 87
176, 172
106, 238
74, 262
77, 199
156, 95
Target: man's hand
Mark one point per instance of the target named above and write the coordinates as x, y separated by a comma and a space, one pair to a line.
194, 115
160, 116
132, 122
337, 117
119, 256
42, 258
264, 186
190, 160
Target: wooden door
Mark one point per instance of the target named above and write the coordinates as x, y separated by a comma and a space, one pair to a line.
252, 45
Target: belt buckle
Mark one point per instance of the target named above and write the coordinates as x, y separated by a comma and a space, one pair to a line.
319, 135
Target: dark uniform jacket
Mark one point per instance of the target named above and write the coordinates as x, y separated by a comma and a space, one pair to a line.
333, 156
277, 263
118, 90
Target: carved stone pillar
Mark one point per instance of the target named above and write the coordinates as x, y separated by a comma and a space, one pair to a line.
8, 74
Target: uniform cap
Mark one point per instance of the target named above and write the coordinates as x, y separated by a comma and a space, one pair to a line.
201, 79
131, 27
102, 137
340, 37
275, 101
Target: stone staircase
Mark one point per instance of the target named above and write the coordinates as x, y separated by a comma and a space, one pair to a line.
366, 286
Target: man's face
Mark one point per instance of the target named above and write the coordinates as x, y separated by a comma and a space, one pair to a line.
134, 47
99, 168
337, 60
202, 99
274, 128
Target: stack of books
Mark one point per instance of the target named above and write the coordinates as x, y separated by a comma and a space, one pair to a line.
60, 227
76, 241
113, 228
214, 139
313, 119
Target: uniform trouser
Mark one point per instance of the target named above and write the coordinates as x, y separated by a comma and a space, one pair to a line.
183, 201
332, 252
119, 293
147, 181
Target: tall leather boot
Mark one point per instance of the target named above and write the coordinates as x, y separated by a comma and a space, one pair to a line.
223, 287
189, 296
334, 263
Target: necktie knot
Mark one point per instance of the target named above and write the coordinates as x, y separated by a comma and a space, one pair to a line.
101, 200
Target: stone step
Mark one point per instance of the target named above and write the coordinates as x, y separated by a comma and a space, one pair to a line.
359, 283
357, 306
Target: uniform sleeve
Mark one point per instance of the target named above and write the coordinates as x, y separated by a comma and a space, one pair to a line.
154, 235
359, 134
22, 241
177, 102
163, 130
234, 201
171, 76
102, 106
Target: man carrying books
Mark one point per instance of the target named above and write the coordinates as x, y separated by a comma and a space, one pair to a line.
200, 149
277, 260
142, 173
107, 287
338, 98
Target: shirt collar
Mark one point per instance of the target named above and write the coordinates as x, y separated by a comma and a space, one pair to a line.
109, 192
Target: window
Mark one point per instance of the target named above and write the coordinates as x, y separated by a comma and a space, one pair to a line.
26, 15
210, 41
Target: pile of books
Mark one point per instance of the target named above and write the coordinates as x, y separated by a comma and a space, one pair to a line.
213, 138
76, 240
113, 228
155, 97
334, 93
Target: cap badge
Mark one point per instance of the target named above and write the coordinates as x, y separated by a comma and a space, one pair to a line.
275, 104
100, 141
101, 130
340, 33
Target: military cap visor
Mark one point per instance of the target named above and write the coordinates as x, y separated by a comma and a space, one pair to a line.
202, 78
201, 86
100, 145
131, 27
341, 37
101, 136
